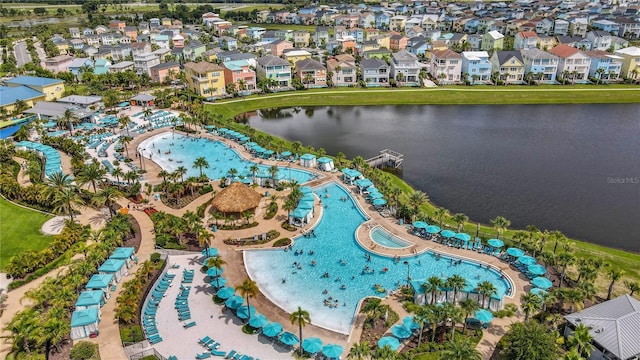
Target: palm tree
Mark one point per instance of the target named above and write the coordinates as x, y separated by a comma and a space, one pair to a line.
204, 236
147, 112
436, 314
359, 351
358, 162
117, 173
91, 173
125, 140
107, 197
500, 224
415, 200
614, 275
302, 318
385, 353
460, 349
581, 340
460, 219
216, 262
440, 214
632, 286
469, 307
486, 288
572, 354
200, 163
296, 146
456, 283
273, 172
248, 289
181, 171
421, 317
124, 123
339, 158
564, 260
530, 303
64, 200
69, 118
232, 173
432, 286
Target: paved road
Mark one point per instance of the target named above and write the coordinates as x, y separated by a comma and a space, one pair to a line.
21, 53
40, 51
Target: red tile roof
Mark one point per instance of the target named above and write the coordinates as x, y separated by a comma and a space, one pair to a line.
564, 51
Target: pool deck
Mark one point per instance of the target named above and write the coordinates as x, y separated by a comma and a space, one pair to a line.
237, 273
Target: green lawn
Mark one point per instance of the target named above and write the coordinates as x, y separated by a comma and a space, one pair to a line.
20, 231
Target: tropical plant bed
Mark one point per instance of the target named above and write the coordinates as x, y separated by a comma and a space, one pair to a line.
238, 227
372, 332
271, 234
282, 242
285, 225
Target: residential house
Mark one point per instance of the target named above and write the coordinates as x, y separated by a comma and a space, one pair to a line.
525, 40
628, 28
154, 23
545, 26
312, 73
446, 66
101, 29
284, 34
414, 31
630, 62
321, 36
600, 40
604, 66
165, 22
293, 56
255, 32
77, 44
239, 72
228, 43
375, 72
144, 62
117, 25
509, 66
344, 70
178, 41
578, 27
346, 43
52, 89
209, 18
398, 42
397, 23
384, 40
121, 66
101, 66
407, 64
274, 68
301, 38
63, 45
382, 20
493, 40
560, 27
575, 41
193, 50
543, 65
476, 66
205, 79
162, 41
131, 32
140, 48
58, 63
75, 33
546, 42
278, 47
119, 52
78, 65
92, 40
371, 34
613, 326
164, 72
573, 63
609, 26
419, 48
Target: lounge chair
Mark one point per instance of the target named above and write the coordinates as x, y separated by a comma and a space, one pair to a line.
203, 355
218, 353
204, 339
231, 354
190, 324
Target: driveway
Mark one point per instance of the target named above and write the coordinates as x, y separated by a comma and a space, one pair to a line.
21, 53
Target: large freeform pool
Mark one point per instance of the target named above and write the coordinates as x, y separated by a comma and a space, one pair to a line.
172, 151
344, 272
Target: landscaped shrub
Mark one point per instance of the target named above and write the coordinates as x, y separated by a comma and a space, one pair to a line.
131, 334
155, 258
84, 350
285, 225
282, 242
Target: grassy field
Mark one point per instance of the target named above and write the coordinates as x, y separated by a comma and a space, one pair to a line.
629, 262
20, 231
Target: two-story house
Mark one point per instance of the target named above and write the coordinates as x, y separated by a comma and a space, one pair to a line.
144, 62
405, 68
321, 36
604, 66
301, 38
311, 73
375, 72
205, 79
630, 62
398, 42
278, 47
509, 66
493, 40
164, 72
58, 63
344, 70
239, 72
477, 67
543, 65
525, 40
446, 66
573, 64
274, 68
628, 28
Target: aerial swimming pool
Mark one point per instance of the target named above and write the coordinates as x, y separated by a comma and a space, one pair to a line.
172, 151
343, 268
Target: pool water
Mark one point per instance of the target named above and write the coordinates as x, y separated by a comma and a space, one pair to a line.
184, 150
337, 253
382, 237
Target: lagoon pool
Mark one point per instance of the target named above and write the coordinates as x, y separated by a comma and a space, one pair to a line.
382, 237
343, 268
172, 151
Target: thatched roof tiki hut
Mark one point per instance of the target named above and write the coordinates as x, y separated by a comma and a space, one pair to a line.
236, 199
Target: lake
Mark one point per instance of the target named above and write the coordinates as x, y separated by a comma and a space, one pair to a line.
575, 168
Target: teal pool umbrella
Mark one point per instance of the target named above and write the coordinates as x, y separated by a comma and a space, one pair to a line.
526, 260
536, 269
463, 237
448, 233
483, 315
410, 323
234, 302
420, 224
286, 153
515, 252
312, 345
214, 272
209, 127
245, 312
379, 202
272, 329
432, 229
288, 338
538, 292
226, 292
542, 282
389, 341
210, 252
497, 243
332, 351
375, 195
258, 320
218, 282
400, 331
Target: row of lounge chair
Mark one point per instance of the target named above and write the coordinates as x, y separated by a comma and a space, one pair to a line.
187, 276
212, 349
150, 310
182, 305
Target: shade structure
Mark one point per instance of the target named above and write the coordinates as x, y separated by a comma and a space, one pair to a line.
515, 252
272, 329
536, 269
332, 351
288, 338
210, 252
234, 302
495, 243
463, 237
389, 341
379, 202
312, 345
448, 233
526, 260
432, 229
226, 292
400, 331
375, 195
538, 292
236, 198
214, 272
420, 224
258, 320
245, 312
218, 282
483, 315
286, 153
542, 282
410, 323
